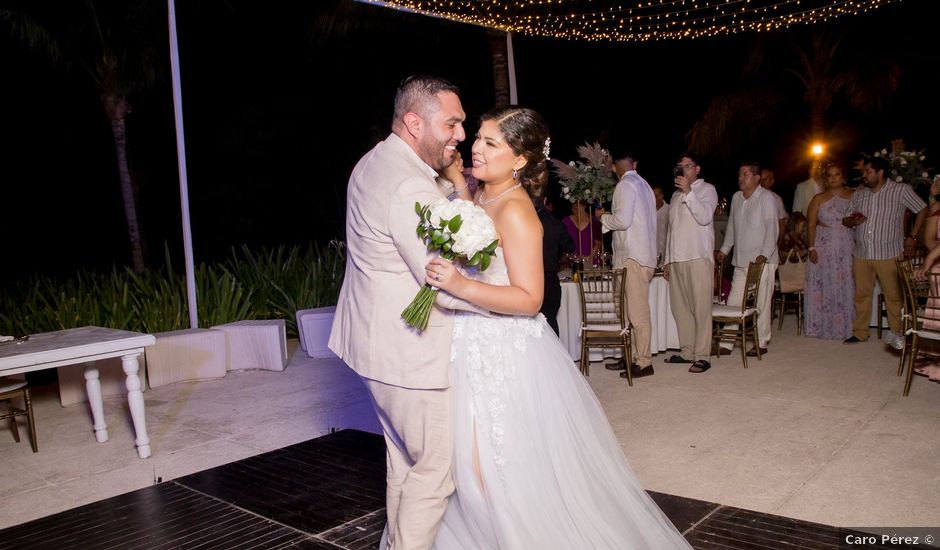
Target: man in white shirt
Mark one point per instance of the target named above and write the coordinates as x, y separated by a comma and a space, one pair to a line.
690, 248
806, 190
767, 182
662, 223
633, 221
752, 232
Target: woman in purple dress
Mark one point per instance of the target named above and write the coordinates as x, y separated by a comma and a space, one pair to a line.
585, 230
830, 288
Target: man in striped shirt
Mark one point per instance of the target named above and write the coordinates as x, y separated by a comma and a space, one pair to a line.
876, 212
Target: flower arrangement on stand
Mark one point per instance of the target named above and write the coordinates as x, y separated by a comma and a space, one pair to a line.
590, 180
906, 166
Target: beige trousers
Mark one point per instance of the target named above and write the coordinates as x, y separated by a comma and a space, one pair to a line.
690, 297
419, 440
765, 301
638, 309
887, 273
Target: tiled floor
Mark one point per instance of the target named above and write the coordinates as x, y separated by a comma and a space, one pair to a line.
815, 431
328, 493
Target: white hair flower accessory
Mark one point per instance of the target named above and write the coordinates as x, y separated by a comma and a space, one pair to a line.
548, 148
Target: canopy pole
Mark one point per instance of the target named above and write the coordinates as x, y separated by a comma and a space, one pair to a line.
181, 157
511, 63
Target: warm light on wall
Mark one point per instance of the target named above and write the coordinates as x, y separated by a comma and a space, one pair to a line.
634, 21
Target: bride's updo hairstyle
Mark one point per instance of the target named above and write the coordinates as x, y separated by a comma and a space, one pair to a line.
526, 134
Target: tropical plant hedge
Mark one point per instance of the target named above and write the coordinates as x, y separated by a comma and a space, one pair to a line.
272, 283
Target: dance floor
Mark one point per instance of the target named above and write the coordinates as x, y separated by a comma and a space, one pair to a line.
328, 493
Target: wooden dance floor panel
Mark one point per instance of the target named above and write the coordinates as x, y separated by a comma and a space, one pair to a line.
328, 494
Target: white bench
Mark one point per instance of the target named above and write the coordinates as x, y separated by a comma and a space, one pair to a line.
313, 326
257, 344
110, 375
189, 354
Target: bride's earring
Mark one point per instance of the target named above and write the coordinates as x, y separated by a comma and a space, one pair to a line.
515, 174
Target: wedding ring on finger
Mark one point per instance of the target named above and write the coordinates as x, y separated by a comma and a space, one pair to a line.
437, 276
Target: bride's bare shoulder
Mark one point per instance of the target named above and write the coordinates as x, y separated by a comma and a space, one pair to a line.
518, 213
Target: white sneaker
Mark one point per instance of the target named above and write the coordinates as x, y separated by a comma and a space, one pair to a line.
894, 340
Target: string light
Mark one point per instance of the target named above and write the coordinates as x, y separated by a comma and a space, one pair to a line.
623, 21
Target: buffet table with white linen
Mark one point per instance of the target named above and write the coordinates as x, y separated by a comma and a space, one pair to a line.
663, 335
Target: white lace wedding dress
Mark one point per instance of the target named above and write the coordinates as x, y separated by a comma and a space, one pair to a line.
554, 476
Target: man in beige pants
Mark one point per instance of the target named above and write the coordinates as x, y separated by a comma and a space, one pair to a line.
633, 221
690, 249
406, 371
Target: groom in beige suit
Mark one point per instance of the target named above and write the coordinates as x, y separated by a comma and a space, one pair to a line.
406, 371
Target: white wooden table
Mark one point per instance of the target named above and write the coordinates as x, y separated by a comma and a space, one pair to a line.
49, 350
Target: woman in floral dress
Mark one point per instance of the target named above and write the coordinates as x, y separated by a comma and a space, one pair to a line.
830, 288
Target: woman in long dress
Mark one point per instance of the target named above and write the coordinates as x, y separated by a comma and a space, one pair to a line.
537, 465
829, 294
584, 229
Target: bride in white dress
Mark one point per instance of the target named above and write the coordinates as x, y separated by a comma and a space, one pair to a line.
536, 463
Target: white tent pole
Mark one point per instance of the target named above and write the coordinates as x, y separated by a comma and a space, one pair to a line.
181, 155
513, 96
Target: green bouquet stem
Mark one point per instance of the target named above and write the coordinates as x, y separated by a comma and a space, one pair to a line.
419, 310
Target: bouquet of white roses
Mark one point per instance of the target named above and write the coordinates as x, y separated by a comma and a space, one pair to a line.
460, 230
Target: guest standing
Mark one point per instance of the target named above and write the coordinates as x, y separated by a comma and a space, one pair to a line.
753, 229
555, 242
830, 288
767, 180
877, 217
690, 261
662, 223
584, 229
633, 222
806, 190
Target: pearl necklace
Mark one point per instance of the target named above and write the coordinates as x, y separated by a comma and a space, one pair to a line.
482, 198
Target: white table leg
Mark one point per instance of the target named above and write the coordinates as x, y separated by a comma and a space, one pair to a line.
93, 387
135, 400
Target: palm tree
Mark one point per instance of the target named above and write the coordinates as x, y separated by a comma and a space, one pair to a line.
114, 49
824, 71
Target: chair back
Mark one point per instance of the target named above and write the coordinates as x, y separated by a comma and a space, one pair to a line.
716, 280
752, 286
603, 298
918, 293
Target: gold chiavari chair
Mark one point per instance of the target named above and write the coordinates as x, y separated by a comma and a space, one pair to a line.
603, 315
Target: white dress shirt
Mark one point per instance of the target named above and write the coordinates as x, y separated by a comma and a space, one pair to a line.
662, 230
753, 228
633, 221
778, 204
804, 193
691, 232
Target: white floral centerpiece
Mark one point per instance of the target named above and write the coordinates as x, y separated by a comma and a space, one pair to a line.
591, 180
906, 166
459, 230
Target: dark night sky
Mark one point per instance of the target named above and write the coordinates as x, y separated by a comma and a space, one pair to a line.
279, 105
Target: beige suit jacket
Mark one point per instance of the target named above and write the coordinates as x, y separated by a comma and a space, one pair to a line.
385, 269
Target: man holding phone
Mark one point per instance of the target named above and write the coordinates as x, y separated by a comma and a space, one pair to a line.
690, 247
